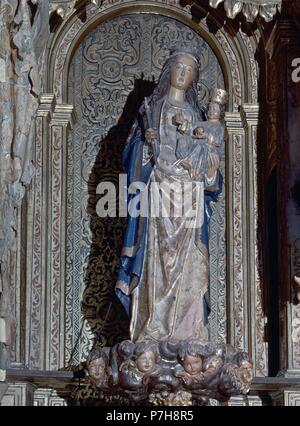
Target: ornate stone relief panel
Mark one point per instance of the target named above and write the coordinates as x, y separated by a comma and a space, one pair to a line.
113, 69
246, 320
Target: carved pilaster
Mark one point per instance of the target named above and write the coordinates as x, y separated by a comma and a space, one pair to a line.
62, 121
246, 319
37, 243
256, 319
45, 293
236, 289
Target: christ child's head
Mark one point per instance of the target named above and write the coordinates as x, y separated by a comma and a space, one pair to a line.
214, 111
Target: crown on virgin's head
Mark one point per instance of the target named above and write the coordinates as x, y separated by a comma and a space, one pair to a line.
188, 50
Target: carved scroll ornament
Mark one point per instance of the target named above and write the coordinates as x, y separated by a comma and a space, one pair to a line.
250, 8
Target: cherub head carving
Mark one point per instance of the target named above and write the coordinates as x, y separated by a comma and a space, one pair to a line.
245, 367
190, 357
98, 368
146, 356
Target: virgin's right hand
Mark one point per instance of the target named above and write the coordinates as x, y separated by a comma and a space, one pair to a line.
151, 135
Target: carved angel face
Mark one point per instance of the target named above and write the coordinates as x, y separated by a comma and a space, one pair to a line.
183, 72
192, 364
97, 370
146, 361
246, 372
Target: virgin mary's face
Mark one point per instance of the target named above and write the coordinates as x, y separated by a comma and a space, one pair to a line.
183, 72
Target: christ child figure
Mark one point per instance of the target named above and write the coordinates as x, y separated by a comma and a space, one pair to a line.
212, 130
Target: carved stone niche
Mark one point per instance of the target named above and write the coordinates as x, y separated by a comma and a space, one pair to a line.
172, 374
53, 349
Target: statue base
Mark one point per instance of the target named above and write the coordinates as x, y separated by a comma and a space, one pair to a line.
168, 373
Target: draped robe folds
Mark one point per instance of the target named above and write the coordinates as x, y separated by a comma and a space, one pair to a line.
164, 268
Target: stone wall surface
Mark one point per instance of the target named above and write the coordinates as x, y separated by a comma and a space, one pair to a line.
24, 31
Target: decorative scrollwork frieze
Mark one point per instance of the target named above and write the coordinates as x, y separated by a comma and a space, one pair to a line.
250, 8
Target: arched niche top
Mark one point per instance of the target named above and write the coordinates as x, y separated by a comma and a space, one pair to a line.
234, 53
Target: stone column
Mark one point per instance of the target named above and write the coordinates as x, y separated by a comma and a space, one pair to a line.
62, 121
46, 292
246, 319
37, 241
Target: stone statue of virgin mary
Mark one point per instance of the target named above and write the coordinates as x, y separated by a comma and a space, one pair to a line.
163, 280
